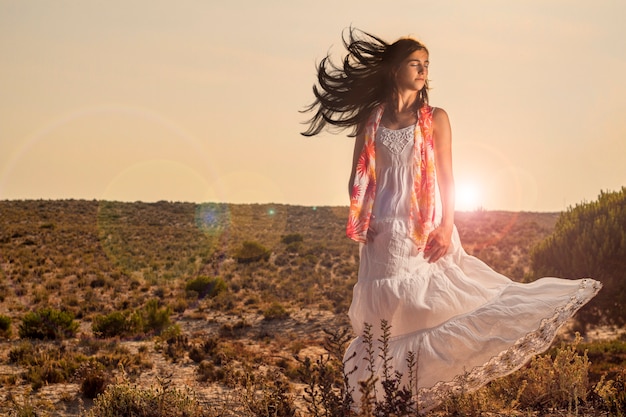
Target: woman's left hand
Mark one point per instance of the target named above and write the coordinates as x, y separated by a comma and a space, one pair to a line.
438, 243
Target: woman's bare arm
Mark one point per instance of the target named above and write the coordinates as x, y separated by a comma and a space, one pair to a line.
439, 239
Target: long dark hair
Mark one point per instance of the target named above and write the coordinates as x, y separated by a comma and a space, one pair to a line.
347, 94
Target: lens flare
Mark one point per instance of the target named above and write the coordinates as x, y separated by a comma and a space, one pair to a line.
213, 219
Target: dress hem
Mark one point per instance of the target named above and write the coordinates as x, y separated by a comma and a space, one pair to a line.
513, 358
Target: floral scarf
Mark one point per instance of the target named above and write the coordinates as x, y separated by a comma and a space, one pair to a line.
422, 213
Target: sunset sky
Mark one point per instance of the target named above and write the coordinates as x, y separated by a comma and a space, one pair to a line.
199, 100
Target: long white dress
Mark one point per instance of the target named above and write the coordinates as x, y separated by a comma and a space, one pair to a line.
465, 323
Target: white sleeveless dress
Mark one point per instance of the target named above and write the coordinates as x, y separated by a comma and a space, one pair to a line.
466, 323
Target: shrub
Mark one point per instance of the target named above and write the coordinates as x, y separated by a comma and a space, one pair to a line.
180, 305
151, 318
589, 241
5, 326
24, 409
176, 345
110, 325
98, 282
205, 286
127, 399
275, 312
291, 238
276, 399
208, 372
294, 247
208, 349
559, 381
326, 391
613, 394
48, 324
45, 363
94, 379
252, 252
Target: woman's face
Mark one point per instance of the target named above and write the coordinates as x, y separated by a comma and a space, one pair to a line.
413, 72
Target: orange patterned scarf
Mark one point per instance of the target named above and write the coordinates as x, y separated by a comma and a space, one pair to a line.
363, 190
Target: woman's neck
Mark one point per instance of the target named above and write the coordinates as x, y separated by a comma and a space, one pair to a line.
405, 102
398, 118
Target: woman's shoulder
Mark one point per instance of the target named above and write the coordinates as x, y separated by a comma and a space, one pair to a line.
439, 115
440, 123
435, 110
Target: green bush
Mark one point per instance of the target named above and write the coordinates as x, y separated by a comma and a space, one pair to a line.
205, 286
292, 238
252, 252
151, 318
589, 240
110, 325
275, 312
48, 324
5, 326
294, 247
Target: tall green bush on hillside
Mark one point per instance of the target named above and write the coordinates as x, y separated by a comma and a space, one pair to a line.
48, 324
589, 240
113, 324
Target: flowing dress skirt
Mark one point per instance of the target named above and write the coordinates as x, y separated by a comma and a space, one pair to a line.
465, 323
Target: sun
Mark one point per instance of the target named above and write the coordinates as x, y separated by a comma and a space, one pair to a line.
467, 197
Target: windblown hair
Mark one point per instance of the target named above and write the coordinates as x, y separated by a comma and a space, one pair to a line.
347, 94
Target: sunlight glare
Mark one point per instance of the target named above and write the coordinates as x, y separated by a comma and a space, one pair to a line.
467, 197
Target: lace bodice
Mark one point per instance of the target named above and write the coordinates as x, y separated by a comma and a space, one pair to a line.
394, 172
396, 140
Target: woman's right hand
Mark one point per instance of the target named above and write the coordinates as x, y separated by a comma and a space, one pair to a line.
438, 243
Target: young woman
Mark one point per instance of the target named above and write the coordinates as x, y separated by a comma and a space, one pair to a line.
465, 323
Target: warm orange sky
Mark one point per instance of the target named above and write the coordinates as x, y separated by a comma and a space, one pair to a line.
198, 100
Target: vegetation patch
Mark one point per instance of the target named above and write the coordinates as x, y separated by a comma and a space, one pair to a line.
164, 400
252, 252
48, 324
589, 240
126, 273
205, 286
5, 326
276, 311
150, 319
